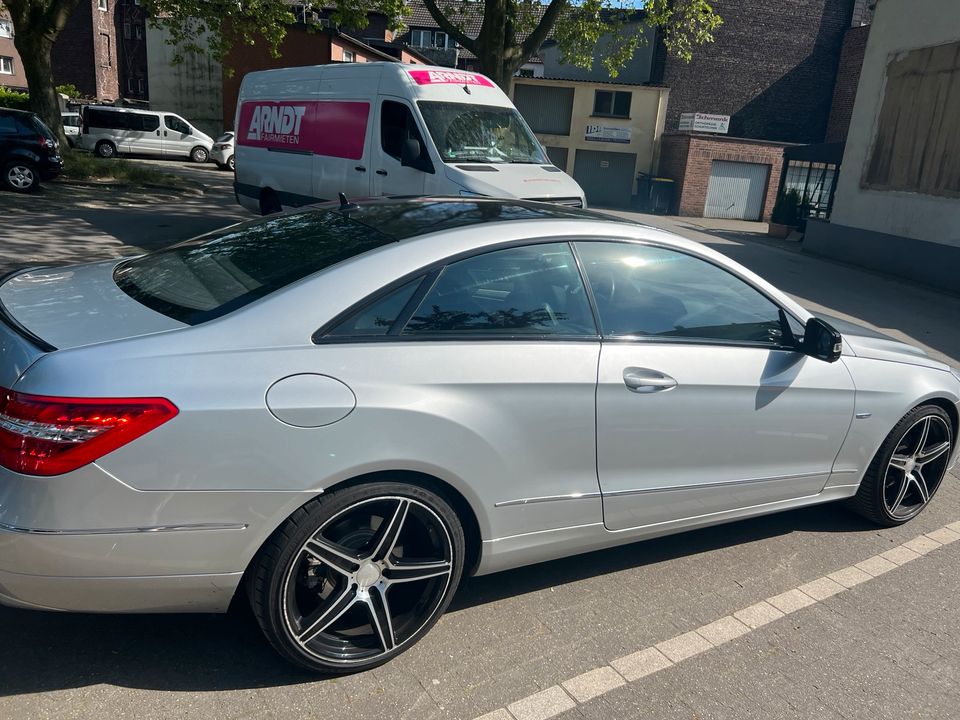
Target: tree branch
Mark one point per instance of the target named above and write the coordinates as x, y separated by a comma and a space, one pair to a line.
535, 39
449, 28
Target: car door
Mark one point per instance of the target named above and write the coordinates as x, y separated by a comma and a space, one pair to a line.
176, 136
146, 136
397, 127
487, 370
703, 406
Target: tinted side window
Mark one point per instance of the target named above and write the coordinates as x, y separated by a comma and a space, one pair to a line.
650, 291
176, 124
396, 125
534, 290
8, 126
378, 317
149, 123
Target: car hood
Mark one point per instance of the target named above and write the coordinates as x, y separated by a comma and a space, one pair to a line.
78, 305
519, 180
868, 343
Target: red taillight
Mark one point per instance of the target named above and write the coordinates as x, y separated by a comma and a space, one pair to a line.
42, 435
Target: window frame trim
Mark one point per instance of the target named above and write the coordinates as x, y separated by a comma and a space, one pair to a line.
431, 272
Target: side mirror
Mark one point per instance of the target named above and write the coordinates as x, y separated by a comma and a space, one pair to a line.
821, 341
410, 153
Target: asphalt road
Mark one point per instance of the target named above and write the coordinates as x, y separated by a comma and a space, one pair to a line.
539, 641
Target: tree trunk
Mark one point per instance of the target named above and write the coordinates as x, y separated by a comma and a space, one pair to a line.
37, 66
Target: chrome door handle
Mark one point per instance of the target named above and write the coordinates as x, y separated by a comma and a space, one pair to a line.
642, 380
381, 172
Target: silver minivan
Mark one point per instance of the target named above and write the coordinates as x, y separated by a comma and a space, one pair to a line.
109, 131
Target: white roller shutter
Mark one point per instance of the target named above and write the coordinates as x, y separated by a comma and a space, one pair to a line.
736, 190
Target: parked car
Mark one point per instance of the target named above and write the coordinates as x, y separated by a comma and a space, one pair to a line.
109, 131
222, 152
29, 151
340, 412
71, 127
383, 128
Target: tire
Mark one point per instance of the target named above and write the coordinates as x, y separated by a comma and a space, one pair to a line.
330, 588
21, 176
199, 155
105, 149
231, 164
269, 202
908, 469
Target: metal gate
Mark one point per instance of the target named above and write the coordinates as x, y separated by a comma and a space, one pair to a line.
606, 177
736, 190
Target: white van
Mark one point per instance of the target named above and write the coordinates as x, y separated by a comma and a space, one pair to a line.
306, 134
71, 127
108, 131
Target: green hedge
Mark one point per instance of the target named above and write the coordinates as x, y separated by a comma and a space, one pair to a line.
13, 99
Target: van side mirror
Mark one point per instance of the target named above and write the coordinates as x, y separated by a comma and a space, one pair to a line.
412, 155
821, 341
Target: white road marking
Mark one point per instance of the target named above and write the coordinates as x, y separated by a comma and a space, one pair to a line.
630, 668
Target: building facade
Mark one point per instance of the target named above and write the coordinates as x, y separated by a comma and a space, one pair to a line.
11, 69
85, 54
130, 27
897, 201
602, 134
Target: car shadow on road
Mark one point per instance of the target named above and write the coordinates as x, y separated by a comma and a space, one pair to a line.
54, 651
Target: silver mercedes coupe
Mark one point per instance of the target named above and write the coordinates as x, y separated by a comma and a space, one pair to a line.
340, 412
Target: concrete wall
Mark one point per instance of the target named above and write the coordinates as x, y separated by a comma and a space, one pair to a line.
636, 71
193, 89
898, 26
647, 112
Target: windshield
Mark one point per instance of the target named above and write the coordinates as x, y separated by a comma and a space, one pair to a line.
215, 274
464, 132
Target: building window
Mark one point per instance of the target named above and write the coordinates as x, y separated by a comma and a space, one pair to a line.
6, 29
106, 60
140, 83
611, 103
525, 72
421, 38
6, 65
348, 56
138, 31
102, 4
126, 30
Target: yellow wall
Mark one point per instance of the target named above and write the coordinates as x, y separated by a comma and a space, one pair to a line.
648, 108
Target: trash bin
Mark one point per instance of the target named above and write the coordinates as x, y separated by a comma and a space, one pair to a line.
661, 195
641, 201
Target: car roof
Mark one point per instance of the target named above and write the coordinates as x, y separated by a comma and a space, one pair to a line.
16, 112
402, 218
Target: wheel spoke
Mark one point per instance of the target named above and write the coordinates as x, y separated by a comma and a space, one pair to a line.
334, 557
329, 615
901, 493
899, 462
389, 530
933, 453
380, 614
923, 436
411, 572
921, 484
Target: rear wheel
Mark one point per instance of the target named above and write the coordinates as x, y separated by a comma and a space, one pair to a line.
269, 202
105, 149
358, 576
21, 176
908, 469
231, 163
199, 154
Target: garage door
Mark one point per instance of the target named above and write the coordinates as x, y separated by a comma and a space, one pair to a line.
736, 190
606, 177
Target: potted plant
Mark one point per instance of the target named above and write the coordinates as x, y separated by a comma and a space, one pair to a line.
785, 215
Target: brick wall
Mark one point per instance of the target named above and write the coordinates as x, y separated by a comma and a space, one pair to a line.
131, 32
771, 68
687, 159
85, 54
17, 80
845, 90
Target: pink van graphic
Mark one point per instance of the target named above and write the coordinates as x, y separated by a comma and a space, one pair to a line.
325, 127
448, 77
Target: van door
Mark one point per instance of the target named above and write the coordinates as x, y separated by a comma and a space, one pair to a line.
145, 135
400, 158
176, 136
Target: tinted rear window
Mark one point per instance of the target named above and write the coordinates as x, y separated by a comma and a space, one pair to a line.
214, 274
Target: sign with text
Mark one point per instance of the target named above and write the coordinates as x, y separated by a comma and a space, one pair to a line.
325, 127
606, 133
704, 122
448, 77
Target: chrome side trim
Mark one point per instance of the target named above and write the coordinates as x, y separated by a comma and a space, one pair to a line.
546, 498
722, 483
4, 527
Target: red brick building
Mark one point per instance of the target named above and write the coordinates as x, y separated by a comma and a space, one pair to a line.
85, 54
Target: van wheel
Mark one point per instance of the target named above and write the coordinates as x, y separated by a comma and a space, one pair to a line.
231, 163
21, 176
269, 202
199, 155
106, 149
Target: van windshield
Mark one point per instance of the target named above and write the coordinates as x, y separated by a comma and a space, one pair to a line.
464, 132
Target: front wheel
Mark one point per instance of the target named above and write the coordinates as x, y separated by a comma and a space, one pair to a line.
908, 468
199, 154
356, 577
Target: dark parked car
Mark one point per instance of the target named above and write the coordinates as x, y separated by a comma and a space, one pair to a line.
29, 151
